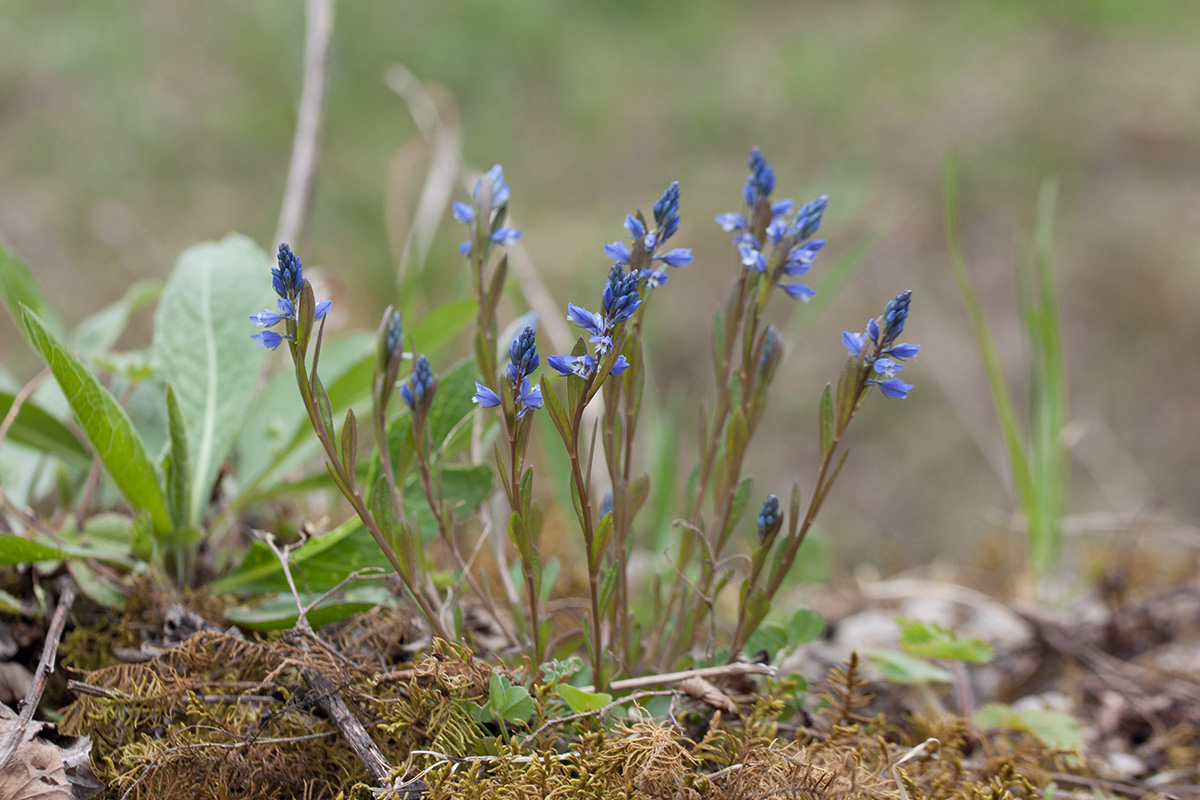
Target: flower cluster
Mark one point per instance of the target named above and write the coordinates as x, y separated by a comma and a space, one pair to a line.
640, 257
884, 356
288, 281
787, 235
770, 519
490, 205
523, 360
418, 390
620, 300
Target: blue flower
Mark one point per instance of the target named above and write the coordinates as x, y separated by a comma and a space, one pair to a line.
619, 366
268, 318
653, 277
732, 222
853, 342
493, 185
752, 257
591, 322
523, 355
267, 340
808, 218
884, 356
485, 396
523, 360
799, 291
620, 297
761, 180
463, 212
583, 366
666, 213
800, 258
769, 518
893, 388
619, 252
494, 178
418, 390
505, 236
679, 257
288, 277
395, 331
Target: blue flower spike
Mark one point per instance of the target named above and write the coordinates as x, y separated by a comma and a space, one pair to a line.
287, 279
647, 243
770, 519
766, 222
879, 351
523, 360
489, 204
418, 390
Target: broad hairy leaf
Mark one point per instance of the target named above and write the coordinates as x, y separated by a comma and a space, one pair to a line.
202, 347
105, 424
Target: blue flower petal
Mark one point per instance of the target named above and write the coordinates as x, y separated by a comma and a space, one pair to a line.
619, 366
267, 340
484, 396
679, 257
853, 342
589, 321
894, 388
732, 222
619, 252
321, 309
799, 291
902, 350
635, 227
463, 212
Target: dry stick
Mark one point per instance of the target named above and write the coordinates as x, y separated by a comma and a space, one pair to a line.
19, 400
721, 671
348, 725
302, 168
45, 666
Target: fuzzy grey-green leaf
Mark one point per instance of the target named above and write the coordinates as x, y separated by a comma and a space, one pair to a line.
201, 346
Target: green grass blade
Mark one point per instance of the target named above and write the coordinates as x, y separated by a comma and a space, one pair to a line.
1006, 414
105, 424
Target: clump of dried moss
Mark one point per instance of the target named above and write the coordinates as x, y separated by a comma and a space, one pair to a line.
220, 717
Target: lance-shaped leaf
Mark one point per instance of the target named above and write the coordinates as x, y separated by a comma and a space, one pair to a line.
201, 347
34, 428
178, 465
105, 424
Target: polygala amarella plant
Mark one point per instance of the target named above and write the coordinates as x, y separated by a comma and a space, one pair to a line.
774, 247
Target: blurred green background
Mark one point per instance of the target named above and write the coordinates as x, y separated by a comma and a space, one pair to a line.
130, 130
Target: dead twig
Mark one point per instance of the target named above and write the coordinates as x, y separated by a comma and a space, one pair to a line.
297, 194
45, 666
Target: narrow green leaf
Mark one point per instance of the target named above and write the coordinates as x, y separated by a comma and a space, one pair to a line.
16, 550
554, 408
741, 496
324, 406
452, 403
306, 309
601, 539
178, 473
718, 339
519, 537
757, 606
105, 423
349, 444
608, 584
19, 288
826, 421
34, 428
201, 347
1010, 428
